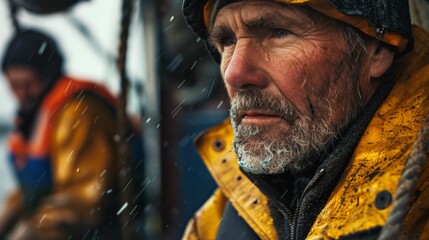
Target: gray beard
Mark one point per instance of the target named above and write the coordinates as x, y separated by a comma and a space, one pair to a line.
295, 150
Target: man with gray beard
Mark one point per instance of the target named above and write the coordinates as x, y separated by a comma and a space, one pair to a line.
327, 137
294, 150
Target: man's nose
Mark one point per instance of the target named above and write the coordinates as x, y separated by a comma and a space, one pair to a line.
246, 68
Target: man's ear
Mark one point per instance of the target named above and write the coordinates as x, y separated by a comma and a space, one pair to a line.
381, 59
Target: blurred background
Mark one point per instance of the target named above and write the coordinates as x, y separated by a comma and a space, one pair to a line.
175, 92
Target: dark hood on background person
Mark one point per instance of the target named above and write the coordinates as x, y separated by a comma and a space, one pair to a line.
38, 51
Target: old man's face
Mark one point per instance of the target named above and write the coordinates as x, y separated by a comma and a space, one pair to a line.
292, 79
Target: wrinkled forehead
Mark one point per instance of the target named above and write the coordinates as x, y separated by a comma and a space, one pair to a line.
213, 7
267, 13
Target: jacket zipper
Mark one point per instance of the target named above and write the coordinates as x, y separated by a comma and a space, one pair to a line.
309, 185
284, 211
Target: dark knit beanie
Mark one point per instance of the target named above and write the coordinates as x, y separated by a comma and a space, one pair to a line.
36, 50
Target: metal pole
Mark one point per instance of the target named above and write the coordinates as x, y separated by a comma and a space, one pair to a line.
152, 114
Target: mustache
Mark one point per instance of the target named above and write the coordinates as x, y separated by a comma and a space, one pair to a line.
253, 99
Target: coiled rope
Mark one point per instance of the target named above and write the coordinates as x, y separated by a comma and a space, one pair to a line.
407, 184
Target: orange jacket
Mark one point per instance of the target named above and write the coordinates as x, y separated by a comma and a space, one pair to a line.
32, 158
67, 169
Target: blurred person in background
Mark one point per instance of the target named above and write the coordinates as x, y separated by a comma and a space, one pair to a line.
329, 110
63, 148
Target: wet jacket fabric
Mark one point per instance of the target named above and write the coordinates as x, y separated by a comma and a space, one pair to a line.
351, 201
66, 169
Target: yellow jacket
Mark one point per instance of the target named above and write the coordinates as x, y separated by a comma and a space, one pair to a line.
74, 134
375, 166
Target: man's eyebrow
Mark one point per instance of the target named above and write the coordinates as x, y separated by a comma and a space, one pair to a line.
270, 21
222, 30
263, 21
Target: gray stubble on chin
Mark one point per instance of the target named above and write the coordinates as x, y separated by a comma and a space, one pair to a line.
287, 149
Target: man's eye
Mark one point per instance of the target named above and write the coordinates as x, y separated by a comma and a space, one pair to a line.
280, 33
228, 41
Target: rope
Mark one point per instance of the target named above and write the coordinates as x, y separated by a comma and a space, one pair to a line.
124, 158
407, 184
